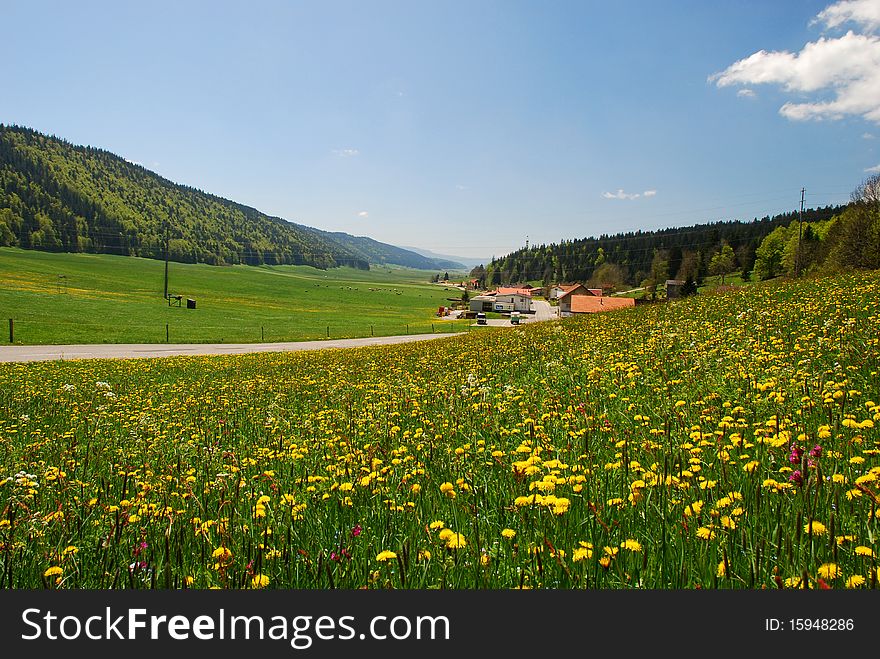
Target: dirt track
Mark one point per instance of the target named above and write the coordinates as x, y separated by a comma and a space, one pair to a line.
145, 350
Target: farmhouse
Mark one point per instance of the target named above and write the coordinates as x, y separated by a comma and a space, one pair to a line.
596, 304
513, 299
577, 298
559, 290
573, 291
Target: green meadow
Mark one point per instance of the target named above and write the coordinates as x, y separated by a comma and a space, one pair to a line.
96, 298
727, 440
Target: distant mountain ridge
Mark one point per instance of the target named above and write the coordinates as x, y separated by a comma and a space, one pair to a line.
56, 196
380, 253
464, 262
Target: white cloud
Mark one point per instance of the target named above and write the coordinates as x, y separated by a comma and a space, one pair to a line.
867, 136
363, 214
620, 194
461, 187
346, 153
746, 93
833, 77
863, 12
873, 170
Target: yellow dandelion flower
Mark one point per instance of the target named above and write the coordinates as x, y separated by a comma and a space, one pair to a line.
424, 555
438, 524
53, 571
862, 550
829, 571
693, 509
632, 545
386, 556
445, 534
605, 561
222, 555
456, 541
581, 554
855, 581
259, 581
722, 570
816, 528
509, 534
705, 533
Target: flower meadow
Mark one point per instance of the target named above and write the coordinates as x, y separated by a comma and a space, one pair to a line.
724, 441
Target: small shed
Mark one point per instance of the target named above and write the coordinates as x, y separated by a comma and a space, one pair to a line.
673, 288
482, 303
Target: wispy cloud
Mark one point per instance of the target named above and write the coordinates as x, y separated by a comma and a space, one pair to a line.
363, 214
873, 170
746, 93
861, 12
867, 136
839, 76
461, 187
346, 153
620, 194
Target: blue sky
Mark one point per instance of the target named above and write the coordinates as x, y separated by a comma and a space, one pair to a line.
465, 127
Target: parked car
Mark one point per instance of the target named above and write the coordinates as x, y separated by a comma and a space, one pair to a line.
515, 318
481, 319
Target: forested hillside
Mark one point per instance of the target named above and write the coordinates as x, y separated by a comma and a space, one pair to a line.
55, 196
644, 256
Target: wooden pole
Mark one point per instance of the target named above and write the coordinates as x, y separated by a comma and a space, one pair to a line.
166, 332
11, 330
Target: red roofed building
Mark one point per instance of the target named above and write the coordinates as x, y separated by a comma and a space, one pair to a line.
593, 304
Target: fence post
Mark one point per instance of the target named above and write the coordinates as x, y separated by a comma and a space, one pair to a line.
407, 328
432, 328
166, 332
371, 331
262, 334
328, 331
11, 331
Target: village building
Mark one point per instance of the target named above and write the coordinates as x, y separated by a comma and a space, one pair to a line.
577, 298
596, 304
482, 303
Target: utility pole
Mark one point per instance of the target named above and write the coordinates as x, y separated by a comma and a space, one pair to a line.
166, 259
797, 256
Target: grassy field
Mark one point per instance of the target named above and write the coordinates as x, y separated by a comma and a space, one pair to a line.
722, 441
88, 298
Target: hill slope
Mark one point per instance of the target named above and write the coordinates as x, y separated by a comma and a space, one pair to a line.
55, 196
683, 252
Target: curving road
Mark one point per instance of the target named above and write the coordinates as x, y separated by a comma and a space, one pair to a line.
148, 350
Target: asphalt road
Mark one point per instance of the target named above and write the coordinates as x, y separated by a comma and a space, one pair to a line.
146, 350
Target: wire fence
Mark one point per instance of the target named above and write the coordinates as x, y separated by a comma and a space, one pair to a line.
33, 332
